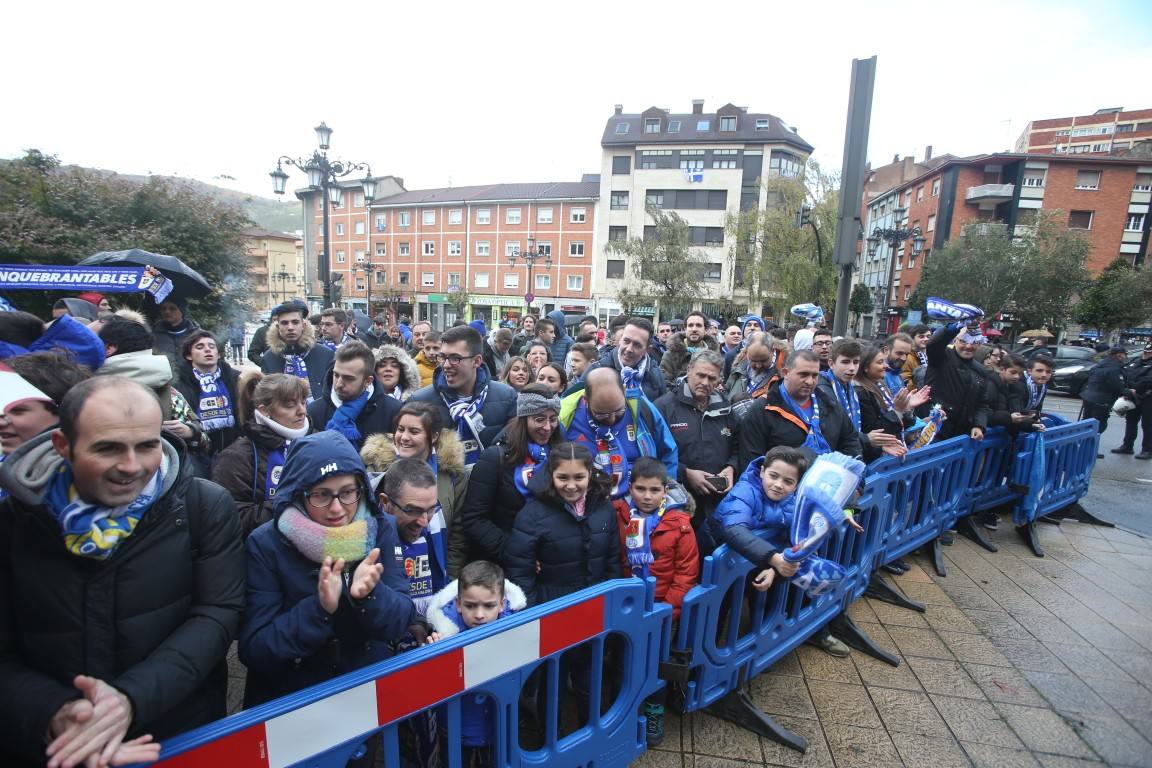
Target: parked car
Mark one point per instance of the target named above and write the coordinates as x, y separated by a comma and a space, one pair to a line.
1071, 374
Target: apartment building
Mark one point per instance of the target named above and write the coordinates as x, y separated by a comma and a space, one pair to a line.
276, 266
424, 248
1106, 131
705, 166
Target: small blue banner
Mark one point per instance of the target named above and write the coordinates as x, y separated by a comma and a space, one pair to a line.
105, 279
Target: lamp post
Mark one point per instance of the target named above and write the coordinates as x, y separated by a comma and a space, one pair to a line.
530, 257
894, 236
283, 276
324, 174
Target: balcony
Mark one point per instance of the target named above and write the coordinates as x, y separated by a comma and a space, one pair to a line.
990, 193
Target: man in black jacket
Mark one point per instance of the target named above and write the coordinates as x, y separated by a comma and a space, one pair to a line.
790, 411
631, 360
293, 348
1138, 377
130, 633
354, 406
958, 381
1105, 384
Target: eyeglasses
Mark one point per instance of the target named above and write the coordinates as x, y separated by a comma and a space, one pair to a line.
825, 343
606, 418
455, 359
323, 498
416, 512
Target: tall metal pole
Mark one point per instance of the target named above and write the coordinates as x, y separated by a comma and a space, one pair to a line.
324, 270
852, 183
528, 288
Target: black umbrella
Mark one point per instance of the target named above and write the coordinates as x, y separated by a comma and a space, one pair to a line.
186, 282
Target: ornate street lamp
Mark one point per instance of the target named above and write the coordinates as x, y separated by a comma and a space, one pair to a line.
894, 236
530, 257
324, 175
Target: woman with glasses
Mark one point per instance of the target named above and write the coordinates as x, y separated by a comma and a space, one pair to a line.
326, 592
517, 373
419, 433
498, 486
537, 354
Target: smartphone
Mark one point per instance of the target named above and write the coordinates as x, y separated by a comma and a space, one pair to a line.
719, 482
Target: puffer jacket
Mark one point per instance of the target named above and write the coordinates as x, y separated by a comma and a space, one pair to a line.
154, 620
378, 454
746, 510
409, 372
65, 333
490, 505
499, 408
240, 470
287, 640
376, 418
563, 342
674, 361
570, 554
317, 357
675, 557
426, 367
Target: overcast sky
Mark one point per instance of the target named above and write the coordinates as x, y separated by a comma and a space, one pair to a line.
474, 93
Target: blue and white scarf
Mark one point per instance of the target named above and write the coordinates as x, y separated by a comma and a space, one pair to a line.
465, 412
537, 454
638, 537
94, 530
633, 378
346, 414
294, 365
940, 309
847, 397
1035, 394
815, 440
214, 407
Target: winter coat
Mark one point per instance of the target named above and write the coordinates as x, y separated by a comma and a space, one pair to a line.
187, 385
653, 383
166, 342
769, 422
154, 619
958, 385
287, 640
317, 357
674, 362
675, 557
409, 372
490, 505
155, 372
571, 554
240, 470
563, 342
1138, 376
259, 344
1105, 383
876, 415
738, 381
477, 710
65, 333
908, 370
499, 408
652, 436
378, 454
747, 510
426, 367
376, 418
706, 440
494, 362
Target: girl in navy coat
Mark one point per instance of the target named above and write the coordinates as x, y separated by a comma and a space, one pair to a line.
326, 589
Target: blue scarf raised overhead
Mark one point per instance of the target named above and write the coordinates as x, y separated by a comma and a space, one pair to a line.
847, 396
465, 411
344, 419
537, 454
93, 530
815, 441
214, 407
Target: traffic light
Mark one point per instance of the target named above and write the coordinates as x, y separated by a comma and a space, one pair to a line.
803, 216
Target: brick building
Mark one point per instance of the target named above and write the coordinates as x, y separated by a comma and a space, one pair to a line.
276, 266
1105, 131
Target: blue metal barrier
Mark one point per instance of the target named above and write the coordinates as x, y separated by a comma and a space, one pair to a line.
1069, 457
991, 461
323, 726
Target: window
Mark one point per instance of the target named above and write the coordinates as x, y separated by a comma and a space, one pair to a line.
360, 284
358, 200
483, 215
912, 261
919, 194
1143, 183
428, 218
691, 164
1027, 217
405, 249
381, 223
320, 203
405, 219
654, 197
762, 124
615, 268
381, 277
703, 125
428, 247
576, 249
455, 216
339, 203
1087, 179
711, 273
616, 234
512, 216
403, 278
621, 165
360, 256
936, 188
1135, 222
619, 201
578, 216
480, 280
1126, 128
728, 123
1100, 147
1033, 179
723, 163
784, 164
511, 247
381, 249
544, 248
907, 292
575, 282
340, 257
673, 126
428, 279
339, 228
1080, 220
543, 282
621, 128
543, 215
511, 279
454, 248
453, 279
483, 248
652, 125
931, 222
359, 227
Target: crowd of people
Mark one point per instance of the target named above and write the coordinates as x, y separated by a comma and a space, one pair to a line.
344, 494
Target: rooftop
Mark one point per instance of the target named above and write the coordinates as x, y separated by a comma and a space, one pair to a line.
699, 126
549, 190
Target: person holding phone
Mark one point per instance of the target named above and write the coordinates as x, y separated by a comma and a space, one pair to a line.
700, 418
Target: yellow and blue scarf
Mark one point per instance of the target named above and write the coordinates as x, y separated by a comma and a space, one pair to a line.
93, 530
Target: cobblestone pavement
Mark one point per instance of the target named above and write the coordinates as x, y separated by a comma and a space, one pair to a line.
1018, 661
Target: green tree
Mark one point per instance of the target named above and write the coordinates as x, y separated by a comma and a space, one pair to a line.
1119, 298
52, 215
663, 263
860, 303
1035, 275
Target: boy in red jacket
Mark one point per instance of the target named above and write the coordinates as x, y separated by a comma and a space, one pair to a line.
657, 540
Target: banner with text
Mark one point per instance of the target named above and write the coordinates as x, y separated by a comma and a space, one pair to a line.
103, 279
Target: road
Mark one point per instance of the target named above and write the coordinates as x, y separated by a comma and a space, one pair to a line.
1121, 486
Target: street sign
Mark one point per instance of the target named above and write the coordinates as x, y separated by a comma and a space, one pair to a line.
529, 298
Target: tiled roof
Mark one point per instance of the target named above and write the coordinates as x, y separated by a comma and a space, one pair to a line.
777, 130
551, 190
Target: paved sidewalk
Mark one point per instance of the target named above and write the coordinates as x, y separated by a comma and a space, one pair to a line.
1019, 661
